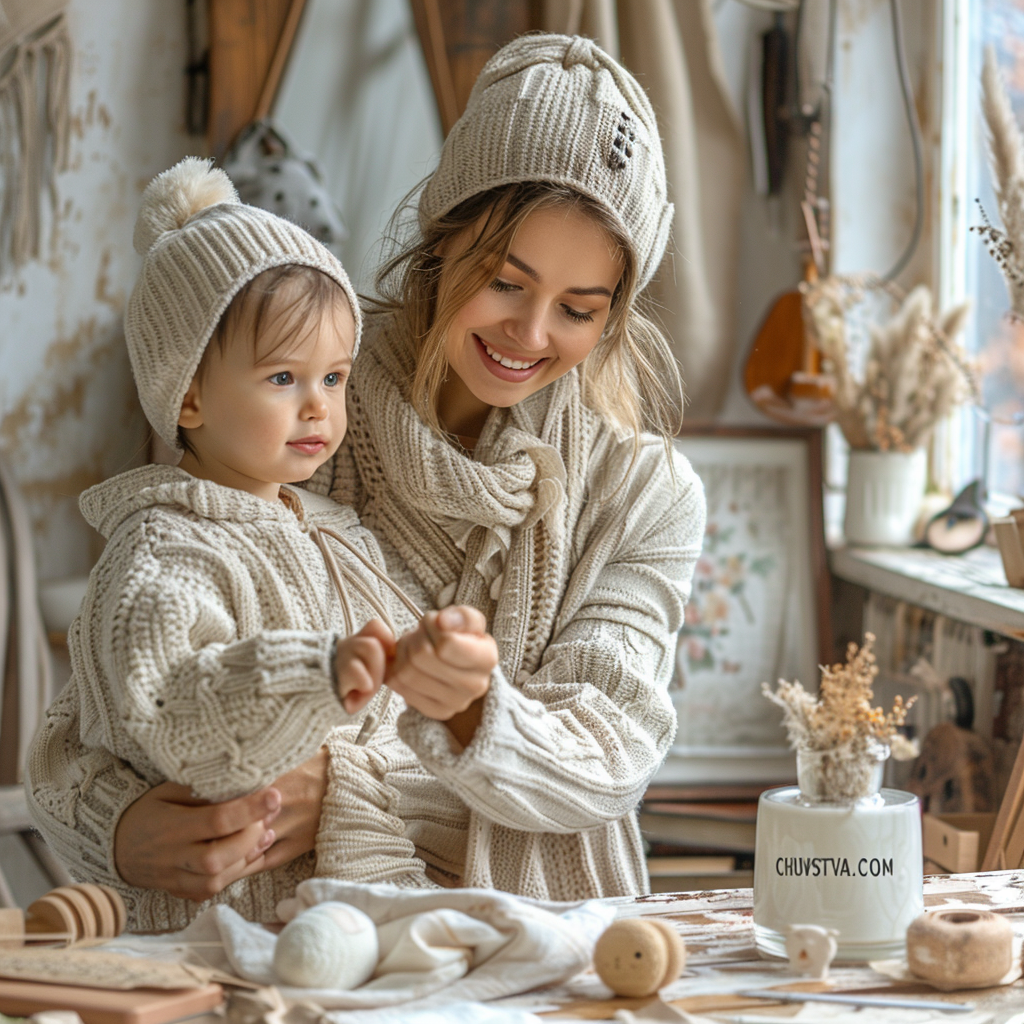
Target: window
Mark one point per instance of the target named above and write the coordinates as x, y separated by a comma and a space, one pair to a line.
966, 268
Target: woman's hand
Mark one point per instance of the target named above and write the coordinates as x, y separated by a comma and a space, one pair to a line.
443, 668
169, 840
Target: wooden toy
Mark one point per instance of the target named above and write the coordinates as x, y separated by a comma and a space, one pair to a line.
973, 948
811, 949
67, 914
639, 956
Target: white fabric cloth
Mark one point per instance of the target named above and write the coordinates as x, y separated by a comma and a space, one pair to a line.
437, 947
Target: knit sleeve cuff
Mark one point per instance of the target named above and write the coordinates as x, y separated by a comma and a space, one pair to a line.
505, 762
359, 837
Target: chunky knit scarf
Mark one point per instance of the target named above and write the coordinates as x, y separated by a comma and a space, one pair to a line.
431, 499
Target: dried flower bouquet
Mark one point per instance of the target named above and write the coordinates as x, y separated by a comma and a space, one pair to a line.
914, 375
838, 730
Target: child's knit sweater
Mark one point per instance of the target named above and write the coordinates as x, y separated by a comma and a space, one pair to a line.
203, 655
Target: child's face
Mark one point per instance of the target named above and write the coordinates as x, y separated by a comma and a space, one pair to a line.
543, 314
260, 419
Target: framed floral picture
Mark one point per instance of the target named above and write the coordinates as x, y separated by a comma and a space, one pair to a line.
759, 606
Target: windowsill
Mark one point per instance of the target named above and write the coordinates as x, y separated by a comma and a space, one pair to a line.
971, 587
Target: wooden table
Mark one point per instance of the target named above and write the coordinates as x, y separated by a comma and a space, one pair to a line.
722, 958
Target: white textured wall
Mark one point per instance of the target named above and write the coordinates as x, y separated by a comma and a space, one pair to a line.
68, 412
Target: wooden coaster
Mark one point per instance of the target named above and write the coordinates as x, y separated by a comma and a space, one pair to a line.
103, 910
107, 1006
52, 914
88, 924
120, 911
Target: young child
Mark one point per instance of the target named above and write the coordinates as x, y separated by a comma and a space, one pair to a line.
219, 644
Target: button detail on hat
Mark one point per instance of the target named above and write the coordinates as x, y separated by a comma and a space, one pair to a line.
622, 143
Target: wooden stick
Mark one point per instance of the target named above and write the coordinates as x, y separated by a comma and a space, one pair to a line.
1009, 810
278, 64
431, 31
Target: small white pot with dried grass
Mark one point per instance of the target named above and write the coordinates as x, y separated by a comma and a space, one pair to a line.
895, 377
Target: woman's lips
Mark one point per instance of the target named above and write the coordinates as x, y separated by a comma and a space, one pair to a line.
308, 445
505, 372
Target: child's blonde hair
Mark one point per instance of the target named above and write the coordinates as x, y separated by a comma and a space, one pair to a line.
631, 378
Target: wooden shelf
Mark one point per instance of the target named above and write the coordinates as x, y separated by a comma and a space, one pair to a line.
971, 587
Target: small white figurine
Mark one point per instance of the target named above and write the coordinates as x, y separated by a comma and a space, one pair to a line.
811, 948
330, 945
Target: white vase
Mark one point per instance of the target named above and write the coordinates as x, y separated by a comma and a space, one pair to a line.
854, 865
884, 491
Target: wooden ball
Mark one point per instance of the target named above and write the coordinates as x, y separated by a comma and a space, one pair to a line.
639, 956
972, 948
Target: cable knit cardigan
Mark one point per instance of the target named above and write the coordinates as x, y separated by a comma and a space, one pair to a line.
203, 655
581, 557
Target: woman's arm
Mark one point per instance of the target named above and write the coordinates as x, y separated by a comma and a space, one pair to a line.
108, 826
574, 745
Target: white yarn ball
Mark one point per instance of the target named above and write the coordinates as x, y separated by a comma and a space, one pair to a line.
331, 945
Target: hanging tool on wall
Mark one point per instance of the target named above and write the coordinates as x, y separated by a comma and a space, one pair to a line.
783, 372
774, 116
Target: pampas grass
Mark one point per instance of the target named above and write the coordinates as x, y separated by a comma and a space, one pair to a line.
1006, 161
914, 374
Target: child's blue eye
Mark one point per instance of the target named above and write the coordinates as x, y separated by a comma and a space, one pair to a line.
284, 377
332, 380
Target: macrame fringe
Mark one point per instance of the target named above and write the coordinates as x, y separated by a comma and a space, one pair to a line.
35, 125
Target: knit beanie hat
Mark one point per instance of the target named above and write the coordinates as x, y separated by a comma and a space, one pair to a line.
200, 245
558, 108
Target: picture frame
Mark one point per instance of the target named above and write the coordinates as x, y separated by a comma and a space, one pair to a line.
764, 540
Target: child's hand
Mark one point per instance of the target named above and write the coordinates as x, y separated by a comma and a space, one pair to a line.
360, 663
445, 664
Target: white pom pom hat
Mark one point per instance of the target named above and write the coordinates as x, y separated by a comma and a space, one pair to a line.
200, 245
558, 108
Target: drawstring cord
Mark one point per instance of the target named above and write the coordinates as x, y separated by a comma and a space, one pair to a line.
339, 574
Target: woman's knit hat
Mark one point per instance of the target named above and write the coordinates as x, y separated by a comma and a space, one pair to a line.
200, 245
558, 108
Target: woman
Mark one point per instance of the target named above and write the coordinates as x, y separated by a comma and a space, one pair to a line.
496, 444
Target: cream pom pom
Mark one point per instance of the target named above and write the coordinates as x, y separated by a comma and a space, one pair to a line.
330, 945
178, 194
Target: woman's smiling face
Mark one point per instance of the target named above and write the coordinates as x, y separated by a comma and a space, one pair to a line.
541, 316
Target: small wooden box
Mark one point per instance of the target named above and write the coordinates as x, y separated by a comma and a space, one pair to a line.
956, 842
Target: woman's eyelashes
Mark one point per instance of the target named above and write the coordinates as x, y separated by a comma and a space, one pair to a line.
578, 316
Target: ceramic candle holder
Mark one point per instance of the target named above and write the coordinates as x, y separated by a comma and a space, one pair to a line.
854, 866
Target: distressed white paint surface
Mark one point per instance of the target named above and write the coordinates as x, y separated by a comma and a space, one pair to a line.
68, 412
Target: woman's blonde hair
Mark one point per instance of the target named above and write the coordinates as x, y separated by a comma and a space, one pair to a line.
631, 377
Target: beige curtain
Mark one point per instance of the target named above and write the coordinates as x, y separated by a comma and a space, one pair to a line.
672, 48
